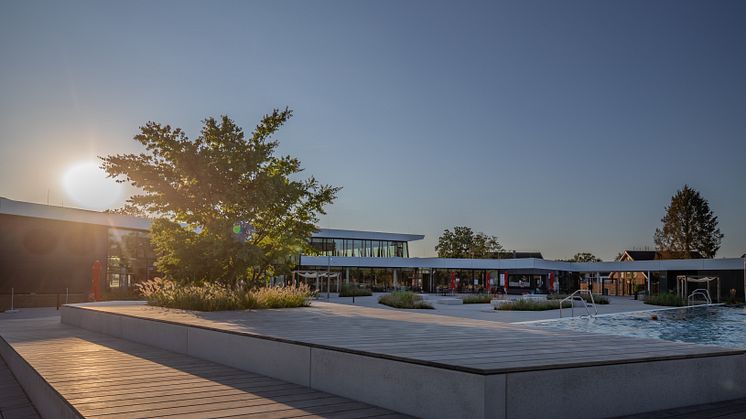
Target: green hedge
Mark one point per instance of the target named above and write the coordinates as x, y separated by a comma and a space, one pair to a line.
666, 299
404, 299
353, 291
478, 299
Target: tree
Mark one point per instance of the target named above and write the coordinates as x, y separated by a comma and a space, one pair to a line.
227, 208
462, 242
689, 226
584, 257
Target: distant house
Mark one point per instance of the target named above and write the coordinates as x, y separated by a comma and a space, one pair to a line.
657, 255
627, 283
514, 254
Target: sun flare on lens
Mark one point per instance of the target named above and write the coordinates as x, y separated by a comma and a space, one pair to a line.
86, 184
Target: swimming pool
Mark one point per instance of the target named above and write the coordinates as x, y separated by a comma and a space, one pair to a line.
709, 325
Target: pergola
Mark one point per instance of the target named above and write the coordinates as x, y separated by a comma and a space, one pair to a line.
317, 275
682, 284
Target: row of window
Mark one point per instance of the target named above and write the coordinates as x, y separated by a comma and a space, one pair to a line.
359, 248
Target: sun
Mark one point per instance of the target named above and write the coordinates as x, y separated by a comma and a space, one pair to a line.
86, 184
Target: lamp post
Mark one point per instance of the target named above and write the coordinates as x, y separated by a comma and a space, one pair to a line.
328, 273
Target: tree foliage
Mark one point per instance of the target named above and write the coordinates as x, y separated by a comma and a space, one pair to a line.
200, 190
462, 242
689, 226
584, 257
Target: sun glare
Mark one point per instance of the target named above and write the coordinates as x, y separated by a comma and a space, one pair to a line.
86, 184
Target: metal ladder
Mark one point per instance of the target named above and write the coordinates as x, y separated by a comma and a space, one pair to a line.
575, 296
701, 292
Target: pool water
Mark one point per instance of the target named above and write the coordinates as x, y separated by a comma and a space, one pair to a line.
709, 325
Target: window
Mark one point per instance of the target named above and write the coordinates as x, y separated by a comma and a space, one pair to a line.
130, 258
359, 248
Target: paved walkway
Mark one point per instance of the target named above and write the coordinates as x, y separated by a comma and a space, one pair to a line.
486, 312
14, 404
106, 377
475, 346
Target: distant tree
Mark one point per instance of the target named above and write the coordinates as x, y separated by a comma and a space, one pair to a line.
689, 226
226, 207
462, 242
584, 257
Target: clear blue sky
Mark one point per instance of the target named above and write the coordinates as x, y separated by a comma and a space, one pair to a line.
558, 126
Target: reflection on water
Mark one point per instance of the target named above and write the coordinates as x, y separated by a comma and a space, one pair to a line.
722, 326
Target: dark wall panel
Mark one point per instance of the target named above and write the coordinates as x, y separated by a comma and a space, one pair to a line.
46, 256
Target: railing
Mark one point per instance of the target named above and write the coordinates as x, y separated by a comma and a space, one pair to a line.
575, 296
13, 300
700, 292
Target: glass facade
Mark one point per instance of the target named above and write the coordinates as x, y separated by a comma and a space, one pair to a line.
359, 248
129, 259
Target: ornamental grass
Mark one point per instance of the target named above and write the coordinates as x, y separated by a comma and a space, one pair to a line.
404, 299
533, 305
217, 297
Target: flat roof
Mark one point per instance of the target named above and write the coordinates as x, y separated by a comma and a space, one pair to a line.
330, 233
726, 264
77, 215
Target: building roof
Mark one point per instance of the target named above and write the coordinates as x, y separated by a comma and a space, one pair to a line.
530, 263
658, 255
515, 254
330, 233
77, 215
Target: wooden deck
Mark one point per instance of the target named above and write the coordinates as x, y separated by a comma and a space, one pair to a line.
14, 404
474, 346
107, 377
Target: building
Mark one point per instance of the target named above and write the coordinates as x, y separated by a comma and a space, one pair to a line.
628, 283
48, 251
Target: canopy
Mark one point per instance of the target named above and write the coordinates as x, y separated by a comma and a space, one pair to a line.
697, 278
316, 274
682, 284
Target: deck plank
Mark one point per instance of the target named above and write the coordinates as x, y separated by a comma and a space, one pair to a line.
429, 339
105, 377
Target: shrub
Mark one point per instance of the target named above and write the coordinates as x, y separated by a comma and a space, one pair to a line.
121, 294
597, 298
667, 299
478, 299
216, 297
404, 299
353, 291
732, 297
533, 305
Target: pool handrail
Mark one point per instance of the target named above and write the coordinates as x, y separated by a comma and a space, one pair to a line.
574, 297
699, 292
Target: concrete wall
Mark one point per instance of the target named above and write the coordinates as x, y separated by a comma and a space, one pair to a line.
47, 401
625, 389
587, 392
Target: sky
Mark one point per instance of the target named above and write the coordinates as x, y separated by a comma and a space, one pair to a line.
562, 127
